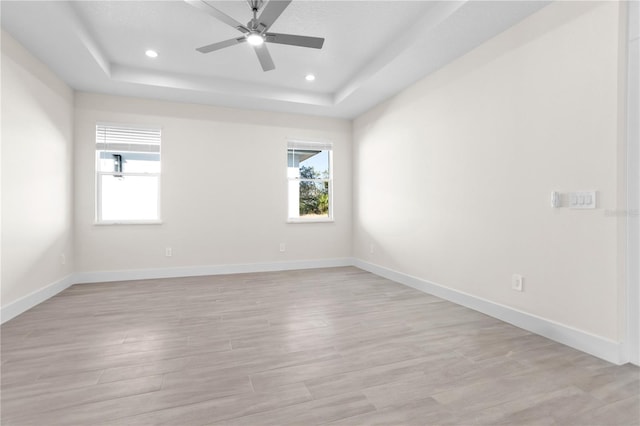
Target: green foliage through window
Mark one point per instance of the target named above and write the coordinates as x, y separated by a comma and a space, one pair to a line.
310, 179
314, 196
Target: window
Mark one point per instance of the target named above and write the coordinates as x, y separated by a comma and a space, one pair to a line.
309, 171
127, 174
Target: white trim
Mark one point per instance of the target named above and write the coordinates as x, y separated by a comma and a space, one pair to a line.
33, 299
302, 220
595, 345
15, 308
301, 144
600, 347
191, 271
128, 222
100, 173
632, 335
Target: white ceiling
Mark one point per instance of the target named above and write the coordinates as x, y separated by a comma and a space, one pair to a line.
372, 49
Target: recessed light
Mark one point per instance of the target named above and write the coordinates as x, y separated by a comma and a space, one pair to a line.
310, 77
151, 53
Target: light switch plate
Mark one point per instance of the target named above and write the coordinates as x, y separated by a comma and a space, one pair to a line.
582, 200
517, 282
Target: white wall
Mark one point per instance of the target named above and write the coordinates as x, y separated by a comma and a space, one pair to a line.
224, 188
452, 177
37, 211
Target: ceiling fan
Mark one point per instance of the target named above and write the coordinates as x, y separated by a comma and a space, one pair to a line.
256, 31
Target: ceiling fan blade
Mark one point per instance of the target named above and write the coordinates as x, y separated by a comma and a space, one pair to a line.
295, 40
272, 11
218, 14
220, 45
264, 57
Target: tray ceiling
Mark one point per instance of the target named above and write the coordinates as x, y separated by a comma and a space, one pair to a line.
372, 49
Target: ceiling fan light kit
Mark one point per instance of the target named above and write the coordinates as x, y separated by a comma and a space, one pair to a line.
255, 32
255, 39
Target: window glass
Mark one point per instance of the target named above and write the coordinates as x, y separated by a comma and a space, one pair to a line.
127, 174
314, 199
310, 181
130, 162
129, 198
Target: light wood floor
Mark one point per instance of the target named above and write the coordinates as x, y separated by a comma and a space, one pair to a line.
338, 346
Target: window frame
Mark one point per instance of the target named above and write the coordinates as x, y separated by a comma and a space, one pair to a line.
312, 145
99, 174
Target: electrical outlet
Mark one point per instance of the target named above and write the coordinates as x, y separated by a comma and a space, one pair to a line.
371, 248
168, 252
517, 282
283, 247
63, 259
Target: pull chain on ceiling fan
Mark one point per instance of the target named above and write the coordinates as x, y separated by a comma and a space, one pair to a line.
256, 32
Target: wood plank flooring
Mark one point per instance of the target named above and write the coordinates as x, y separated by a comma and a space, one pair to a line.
328, 346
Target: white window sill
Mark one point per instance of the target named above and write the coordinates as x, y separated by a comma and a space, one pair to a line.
328, 220
128, 222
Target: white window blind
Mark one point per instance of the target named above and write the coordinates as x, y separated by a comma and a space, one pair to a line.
304, 145
127, 139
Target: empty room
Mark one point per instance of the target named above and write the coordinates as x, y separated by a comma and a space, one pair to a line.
310, 212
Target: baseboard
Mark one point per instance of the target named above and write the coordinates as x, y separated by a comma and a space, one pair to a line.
192, 271
34, 298
595, 345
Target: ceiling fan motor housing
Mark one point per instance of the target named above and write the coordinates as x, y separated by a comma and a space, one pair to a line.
255, 5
